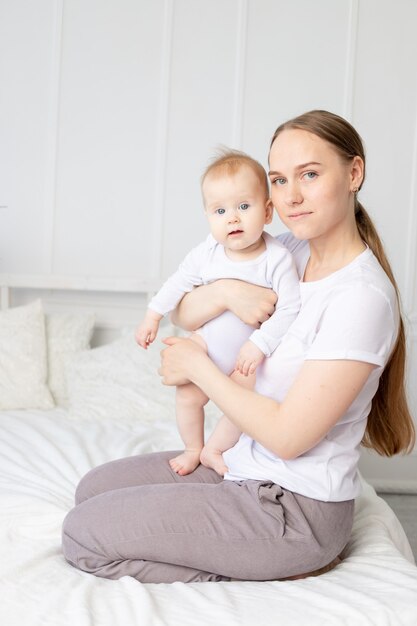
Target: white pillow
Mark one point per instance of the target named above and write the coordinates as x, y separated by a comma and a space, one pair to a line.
23, 359
120, 381
67, 334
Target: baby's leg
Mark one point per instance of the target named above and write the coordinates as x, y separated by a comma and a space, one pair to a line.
226, 434
190, 402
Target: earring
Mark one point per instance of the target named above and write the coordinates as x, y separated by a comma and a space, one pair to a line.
355, 190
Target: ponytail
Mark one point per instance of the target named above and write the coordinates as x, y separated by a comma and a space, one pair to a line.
390, 427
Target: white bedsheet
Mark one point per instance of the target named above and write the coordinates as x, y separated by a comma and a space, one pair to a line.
42, 457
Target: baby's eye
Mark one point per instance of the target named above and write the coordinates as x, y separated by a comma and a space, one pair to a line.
243, 206
310, 175
220, 211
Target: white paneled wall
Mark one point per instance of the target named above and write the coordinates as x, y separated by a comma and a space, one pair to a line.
106, 148
110, 110
27, 120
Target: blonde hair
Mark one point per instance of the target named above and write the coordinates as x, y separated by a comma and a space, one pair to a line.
390, 428
228, 162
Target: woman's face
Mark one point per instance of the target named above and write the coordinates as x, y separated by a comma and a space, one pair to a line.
311, 185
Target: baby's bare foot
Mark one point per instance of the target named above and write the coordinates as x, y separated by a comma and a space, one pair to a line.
213, 459
186, 462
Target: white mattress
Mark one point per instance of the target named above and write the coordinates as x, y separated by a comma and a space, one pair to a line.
42, 457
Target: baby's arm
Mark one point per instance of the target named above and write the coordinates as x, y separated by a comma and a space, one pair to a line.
285, 283
148, 329
182, 281
263, 341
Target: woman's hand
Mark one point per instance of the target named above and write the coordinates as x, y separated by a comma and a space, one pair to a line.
179, 360
251, 303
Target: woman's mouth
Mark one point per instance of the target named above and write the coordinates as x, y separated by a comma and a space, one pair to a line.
298, 216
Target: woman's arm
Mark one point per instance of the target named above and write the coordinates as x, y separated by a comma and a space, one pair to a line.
319, 397
252, 304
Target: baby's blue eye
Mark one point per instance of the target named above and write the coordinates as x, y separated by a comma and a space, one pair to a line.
243, 206
220, 211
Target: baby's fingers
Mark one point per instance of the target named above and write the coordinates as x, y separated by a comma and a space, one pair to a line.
145, 338
239, 365
151, 337
142, 341
244, 367
250, 367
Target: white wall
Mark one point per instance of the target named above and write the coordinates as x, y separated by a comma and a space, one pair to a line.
110, 109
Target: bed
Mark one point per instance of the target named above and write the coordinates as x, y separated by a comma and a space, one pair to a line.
99, 404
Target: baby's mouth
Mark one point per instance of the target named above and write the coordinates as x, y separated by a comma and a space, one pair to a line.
235, 232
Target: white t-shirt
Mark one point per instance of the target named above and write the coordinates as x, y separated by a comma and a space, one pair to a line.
351, 314
207, 262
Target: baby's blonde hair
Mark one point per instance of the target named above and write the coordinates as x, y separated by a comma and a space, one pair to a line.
228, 162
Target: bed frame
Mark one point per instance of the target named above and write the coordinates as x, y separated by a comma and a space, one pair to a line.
118, 302
74, 283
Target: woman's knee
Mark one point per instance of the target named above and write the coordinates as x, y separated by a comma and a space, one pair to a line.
102, 478
92, 484
70, 541
78, 545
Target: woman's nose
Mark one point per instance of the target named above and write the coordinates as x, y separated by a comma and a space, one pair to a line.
293, 194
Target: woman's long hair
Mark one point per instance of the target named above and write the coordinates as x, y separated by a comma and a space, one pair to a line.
390, 427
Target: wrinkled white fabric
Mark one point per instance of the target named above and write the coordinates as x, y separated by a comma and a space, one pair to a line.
42, 457
120, 380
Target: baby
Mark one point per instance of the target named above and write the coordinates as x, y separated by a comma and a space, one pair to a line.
237, 205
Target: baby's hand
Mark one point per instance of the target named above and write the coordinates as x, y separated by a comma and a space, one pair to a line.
249, 357
148, 329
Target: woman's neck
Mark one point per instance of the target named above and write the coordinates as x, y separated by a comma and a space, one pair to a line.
328, 256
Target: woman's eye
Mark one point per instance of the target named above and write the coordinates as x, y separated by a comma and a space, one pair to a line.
279, 181
243, 206
220, 211
310, 175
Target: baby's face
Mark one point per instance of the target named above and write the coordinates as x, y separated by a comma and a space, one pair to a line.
236, 208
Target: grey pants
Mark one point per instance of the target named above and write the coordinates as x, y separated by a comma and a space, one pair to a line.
136, 517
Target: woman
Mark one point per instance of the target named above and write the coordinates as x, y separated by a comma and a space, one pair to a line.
285, 507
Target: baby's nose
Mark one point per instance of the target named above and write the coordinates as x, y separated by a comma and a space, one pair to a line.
234, 216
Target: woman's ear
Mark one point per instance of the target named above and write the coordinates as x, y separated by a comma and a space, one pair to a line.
269, 211
357, 169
